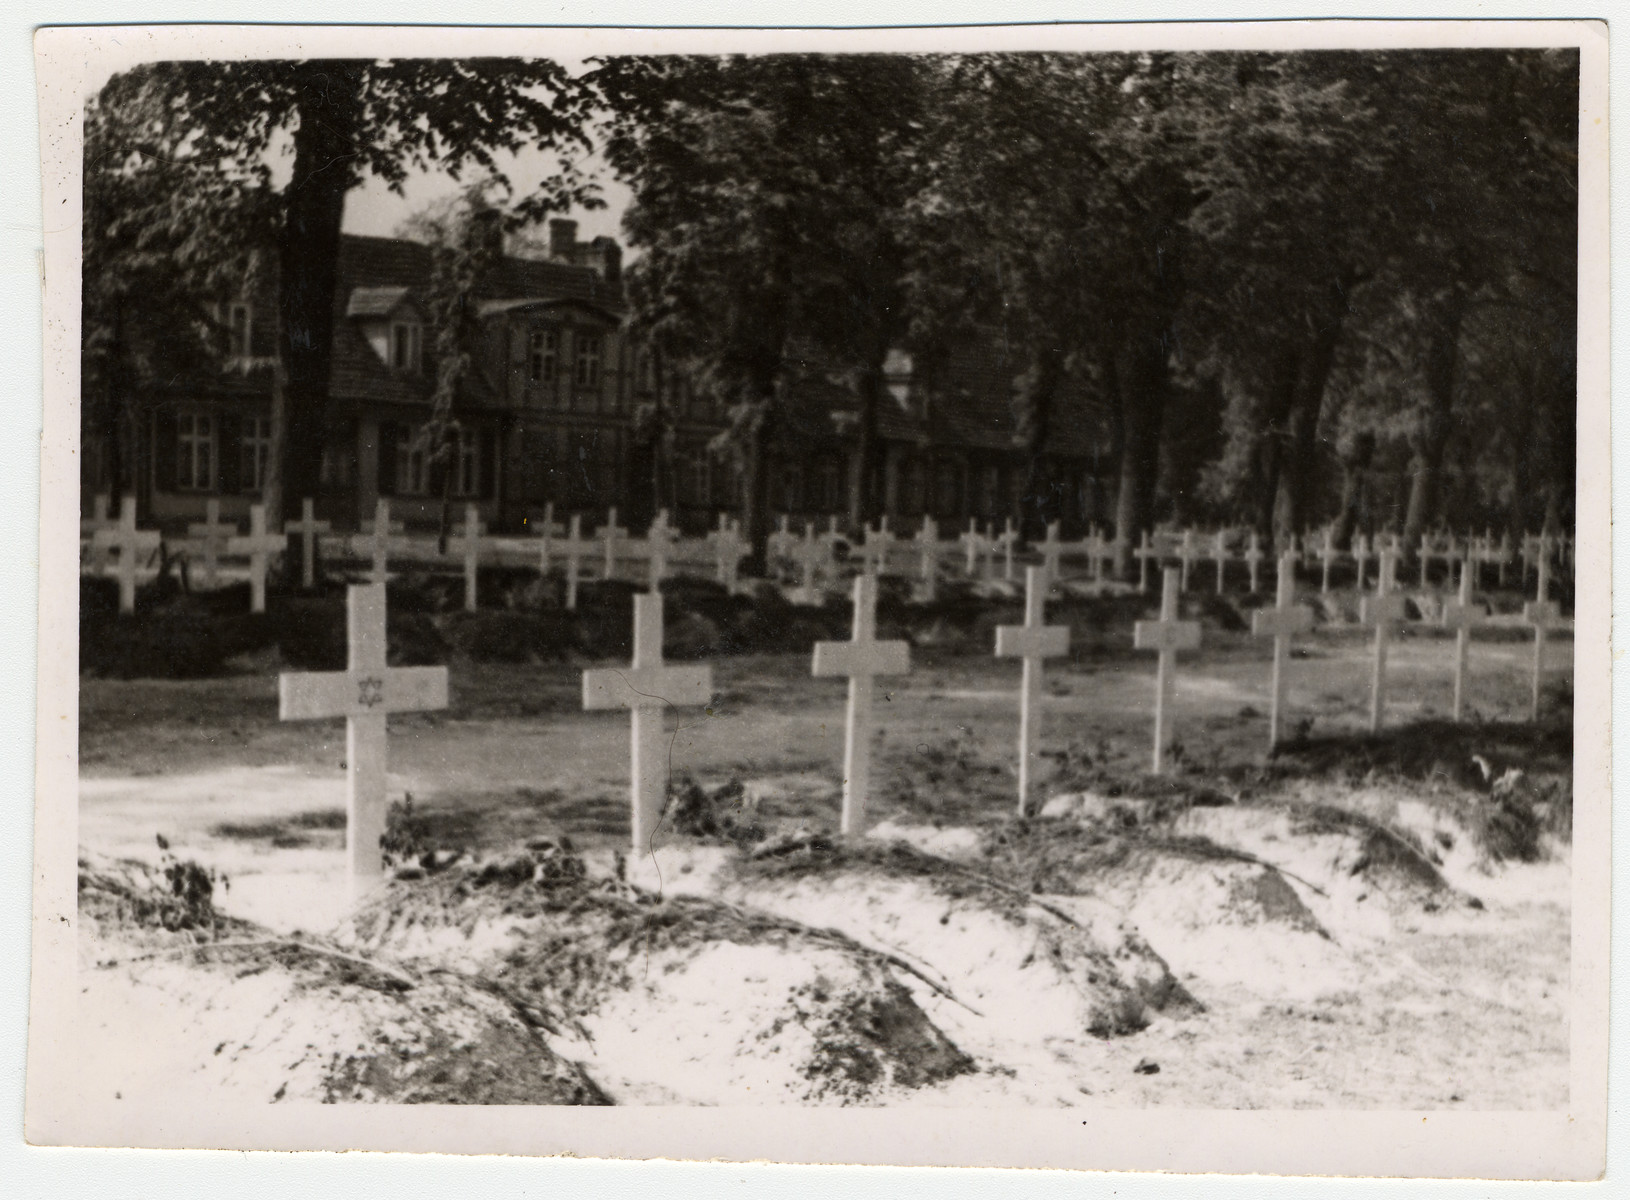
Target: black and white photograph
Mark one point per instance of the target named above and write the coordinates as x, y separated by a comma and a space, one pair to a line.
1007, 582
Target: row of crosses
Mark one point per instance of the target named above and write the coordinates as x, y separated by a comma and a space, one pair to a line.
369, 691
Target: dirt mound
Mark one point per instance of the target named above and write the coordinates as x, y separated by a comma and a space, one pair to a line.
223, 1004
996, 949
742, 1006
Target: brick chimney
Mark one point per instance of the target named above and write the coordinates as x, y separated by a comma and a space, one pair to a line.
562, 239
604, 255
487, 230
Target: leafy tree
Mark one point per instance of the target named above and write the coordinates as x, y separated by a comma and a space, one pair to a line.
342, 119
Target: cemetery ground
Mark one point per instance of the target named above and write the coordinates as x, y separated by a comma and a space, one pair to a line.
1353, 922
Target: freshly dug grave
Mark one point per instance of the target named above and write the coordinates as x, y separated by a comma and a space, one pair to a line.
996, 950
277, 1019
1219, 917
683, 999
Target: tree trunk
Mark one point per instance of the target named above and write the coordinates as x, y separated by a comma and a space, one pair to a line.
1140, 378
1432, 437
1302, 428
308, 251
755, 491
863, 503
1038, 388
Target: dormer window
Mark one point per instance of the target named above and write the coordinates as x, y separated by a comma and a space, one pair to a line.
407, 345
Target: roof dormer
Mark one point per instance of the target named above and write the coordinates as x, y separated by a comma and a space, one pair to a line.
392, 323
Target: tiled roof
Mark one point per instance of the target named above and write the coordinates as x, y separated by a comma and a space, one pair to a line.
375, 301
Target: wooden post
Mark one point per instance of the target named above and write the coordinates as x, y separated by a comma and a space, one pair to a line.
1253, 560
1051, 550
1328, 555
1219, 551
1544, 615
1361, 556
365, 694
659, 540
1382, 610
860, 658
1168, 635
970, 544
260, 543
1145, 551
214, 533
645, 688
1282, 622
1008, 538
611, 533
1462, 616
308, 527
576, 545
1186, 554
1033, 642
129, 542
470, 534
811, 554
928, 552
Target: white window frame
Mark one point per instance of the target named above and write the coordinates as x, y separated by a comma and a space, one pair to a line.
586, 355
406, 345
543, 355
256, 443
195, 451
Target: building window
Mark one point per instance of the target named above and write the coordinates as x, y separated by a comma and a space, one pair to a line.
239, 328
256, 443
542, 353
407, 345
195, 452
412, 465
588, 360
466, 463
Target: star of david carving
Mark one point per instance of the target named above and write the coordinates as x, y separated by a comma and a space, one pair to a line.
370, 691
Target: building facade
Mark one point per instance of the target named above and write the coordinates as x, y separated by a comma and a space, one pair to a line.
551, 414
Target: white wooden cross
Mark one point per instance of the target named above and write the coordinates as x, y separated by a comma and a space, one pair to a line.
1168, 635
1219, 552
365, 694
610, 534
1253, 560
258, 545
1462, 616
1426, 556
875, 551
1361, 556
1382, 610
1328, 553
470, 535
1281, 622
928, 559
213, 533
129, 542
659, 542
1146, 550
728, 550
575, 547
811, 554
971, 544
645, 688
380, 535
1504, 558
1187, 552
1034, 643
1099, 551
1052, 551
90, 526
861, 658
1544, 615
309, 528
779, 543
1007, 539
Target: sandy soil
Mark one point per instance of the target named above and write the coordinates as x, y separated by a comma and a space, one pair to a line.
1318, 978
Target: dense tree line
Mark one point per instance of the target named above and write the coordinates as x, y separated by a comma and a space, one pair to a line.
1301, 288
